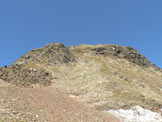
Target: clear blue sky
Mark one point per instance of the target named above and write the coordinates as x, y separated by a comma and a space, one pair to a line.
28, 24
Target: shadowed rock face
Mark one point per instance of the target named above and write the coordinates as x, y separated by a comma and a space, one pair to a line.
128, 53
111, 76
52, 54
18, 75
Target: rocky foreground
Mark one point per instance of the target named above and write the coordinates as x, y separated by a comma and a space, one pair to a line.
45, 104
107, 77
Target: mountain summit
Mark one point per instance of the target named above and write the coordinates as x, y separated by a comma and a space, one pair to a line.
107, 76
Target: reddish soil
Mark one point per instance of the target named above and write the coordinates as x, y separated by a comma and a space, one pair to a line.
46, 104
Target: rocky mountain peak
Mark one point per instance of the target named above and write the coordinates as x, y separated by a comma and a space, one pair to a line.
36, 61
111, 76
58, 53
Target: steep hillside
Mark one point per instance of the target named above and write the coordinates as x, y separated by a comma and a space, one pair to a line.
45, 104
106, 76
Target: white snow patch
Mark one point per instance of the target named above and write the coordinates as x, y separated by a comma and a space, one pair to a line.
136, 114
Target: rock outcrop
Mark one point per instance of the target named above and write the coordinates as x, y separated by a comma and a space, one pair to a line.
18, 75
128, 53
51, 54
59, 54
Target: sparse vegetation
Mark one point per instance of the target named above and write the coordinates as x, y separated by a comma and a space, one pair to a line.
110, 76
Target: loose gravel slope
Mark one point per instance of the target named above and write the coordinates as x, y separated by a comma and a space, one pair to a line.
44, 104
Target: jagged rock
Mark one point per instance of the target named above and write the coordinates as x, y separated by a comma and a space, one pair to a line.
128, 53
52, 54
26, 77
19, 73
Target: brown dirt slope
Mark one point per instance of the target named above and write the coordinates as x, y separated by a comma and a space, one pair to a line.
44, 104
